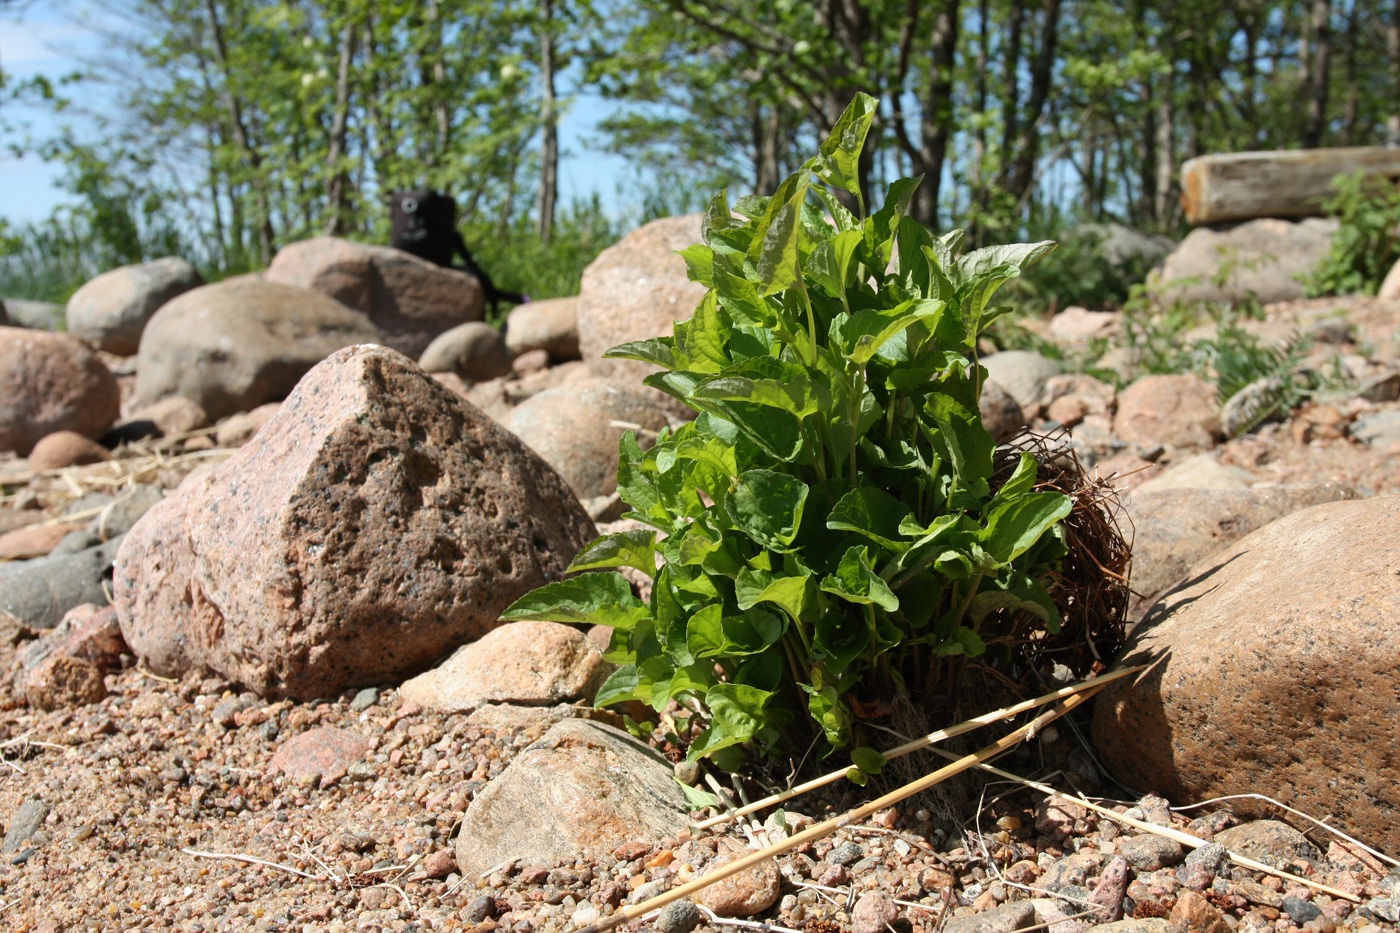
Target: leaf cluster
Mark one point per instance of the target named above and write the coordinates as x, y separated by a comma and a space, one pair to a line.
1366, 245
829, 531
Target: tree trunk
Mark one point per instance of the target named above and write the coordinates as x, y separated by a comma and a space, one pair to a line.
937, 120
549, 144
266, 239
767, 130
1319, 73
1351, 109
1011, 95
441, 108
1042, 71
338, 193
1392, 48
1166, 155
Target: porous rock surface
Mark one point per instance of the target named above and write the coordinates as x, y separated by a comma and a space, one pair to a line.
234, 345
576, 784
410, 300
1265, 670
636, 288
51, 382
376, 523
111, 310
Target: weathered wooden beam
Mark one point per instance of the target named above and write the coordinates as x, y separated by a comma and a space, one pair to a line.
1291, 183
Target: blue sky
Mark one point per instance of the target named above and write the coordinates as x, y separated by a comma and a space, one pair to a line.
50, 38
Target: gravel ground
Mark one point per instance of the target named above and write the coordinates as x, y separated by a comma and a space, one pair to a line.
120, 797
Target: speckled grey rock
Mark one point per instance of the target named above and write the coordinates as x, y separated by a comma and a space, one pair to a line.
42, 590
1021, 373
1269, 841
111, 311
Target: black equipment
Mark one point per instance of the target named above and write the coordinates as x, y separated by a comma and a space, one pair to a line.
425, 224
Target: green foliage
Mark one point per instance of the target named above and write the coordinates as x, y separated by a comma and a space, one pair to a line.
1080, 275
831, 528
1367, 244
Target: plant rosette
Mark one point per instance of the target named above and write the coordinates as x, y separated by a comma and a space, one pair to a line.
826, 533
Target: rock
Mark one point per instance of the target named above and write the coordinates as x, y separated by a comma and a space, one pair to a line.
32, 541
1178, 411
59, 682
1021, 373
1264, 259
172, 415
1150, 852
530, 663
1194, 914
1005, 918
1144, 925
873, 913
1107, 899
576, 429
636, 288
237, 430
530, 363
550, 325
476, 351
34, 315
41, 591
440, 864
745, 894
409, 300
111, 311
1390, 287
1269, 841
587, 789
1001, 415
680, 916
1201, 866
1126, 247
48, 383
1379, 429
232, 346
324, 754
375, 525
64, 449
27, 820
1078, 327
1175, 529
124, 511
89, 632
503, 718
1263, 671
1199, 472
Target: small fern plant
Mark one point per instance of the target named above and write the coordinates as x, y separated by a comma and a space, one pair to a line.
828, 532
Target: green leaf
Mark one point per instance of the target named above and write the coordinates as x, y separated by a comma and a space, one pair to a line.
966, 442
767, 506
796, 395
868, 760
839, 165
1022, 480
855, 581
704, 337
1014, 526
658, 350
699, 264
831, 264
840, 636
963, 641
634, 484
697, 797
737, 714
840, 215
865, 332
790, 594
623, 549
1019, 256
873, 513
777, 257
741, 299
588, 599
712, 634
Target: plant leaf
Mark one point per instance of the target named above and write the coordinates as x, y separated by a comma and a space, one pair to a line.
839, 165
622, 549
872, 513
1014, 526
790, 594
737, 713
658, 350
855, 581
587, 599
767, 506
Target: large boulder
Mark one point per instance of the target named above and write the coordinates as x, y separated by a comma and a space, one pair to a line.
578, 793
234, 345
476, 351
550, 325
375, 525
1124, 247
111, 310
409, 299
1264, 259
635, 289
1021, 373
576, 428
1274, 674
51, 382
1177, 528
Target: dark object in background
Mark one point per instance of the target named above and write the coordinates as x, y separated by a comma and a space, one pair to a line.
425, 224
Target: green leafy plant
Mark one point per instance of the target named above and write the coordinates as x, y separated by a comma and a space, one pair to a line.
835, 527
1366, 244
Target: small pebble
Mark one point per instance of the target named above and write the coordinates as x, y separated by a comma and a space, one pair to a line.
364, 699
680, 916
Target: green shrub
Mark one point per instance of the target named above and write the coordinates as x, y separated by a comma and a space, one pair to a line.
1367, 244
831, 529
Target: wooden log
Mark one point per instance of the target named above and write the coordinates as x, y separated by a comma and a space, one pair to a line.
1292, 183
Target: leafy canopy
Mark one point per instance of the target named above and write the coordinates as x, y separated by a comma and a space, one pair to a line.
829, 529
